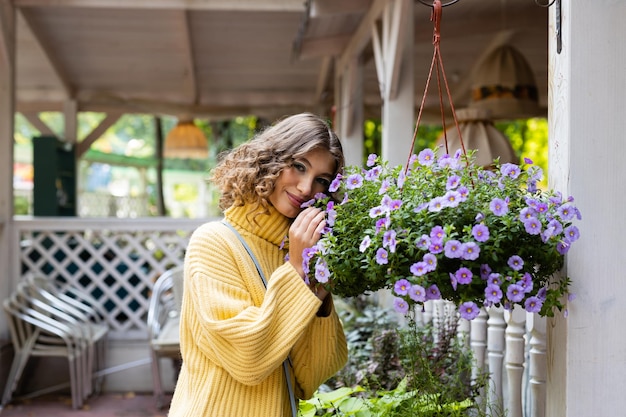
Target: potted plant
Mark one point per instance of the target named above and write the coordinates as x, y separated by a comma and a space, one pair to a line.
445, 228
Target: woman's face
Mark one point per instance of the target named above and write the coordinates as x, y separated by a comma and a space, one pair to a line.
298, 183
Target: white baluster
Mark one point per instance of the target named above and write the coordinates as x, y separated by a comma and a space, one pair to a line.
478, 343
495, 355
428, 311
463, 331
537, 370
516, 327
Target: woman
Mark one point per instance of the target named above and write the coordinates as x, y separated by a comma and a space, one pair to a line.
235, 333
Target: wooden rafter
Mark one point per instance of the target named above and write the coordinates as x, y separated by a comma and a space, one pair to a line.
189, 81
362, 35
323, 79
244, 5
96, 133
34, 119
50, 54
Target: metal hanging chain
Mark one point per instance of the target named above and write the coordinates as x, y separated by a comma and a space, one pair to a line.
438, 62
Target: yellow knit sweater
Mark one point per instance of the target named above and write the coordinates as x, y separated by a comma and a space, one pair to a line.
235, 334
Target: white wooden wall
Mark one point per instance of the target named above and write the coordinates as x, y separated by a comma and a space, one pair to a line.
587, 351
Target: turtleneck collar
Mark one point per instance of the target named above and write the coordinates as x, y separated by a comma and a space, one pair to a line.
272, 227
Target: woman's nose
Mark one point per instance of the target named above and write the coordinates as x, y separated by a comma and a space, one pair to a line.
305, 185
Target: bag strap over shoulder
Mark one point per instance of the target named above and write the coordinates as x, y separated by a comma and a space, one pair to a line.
286, 369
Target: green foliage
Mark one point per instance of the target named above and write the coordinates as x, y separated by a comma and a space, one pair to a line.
421, 370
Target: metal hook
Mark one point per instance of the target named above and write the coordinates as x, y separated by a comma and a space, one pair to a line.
450, 3
559, 43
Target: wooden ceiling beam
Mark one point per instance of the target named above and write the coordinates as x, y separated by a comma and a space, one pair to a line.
190, 79
326, 46
243, 5
324, 8
362, 36
50, 54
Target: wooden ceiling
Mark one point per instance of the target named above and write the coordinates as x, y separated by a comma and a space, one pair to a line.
222, 58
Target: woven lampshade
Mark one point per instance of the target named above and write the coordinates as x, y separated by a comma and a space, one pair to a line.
478, 132
186, 140
505, 85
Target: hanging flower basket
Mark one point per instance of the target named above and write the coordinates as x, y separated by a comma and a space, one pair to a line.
446, 228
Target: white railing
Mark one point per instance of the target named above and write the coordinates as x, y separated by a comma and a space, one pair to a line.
118, 260
511, 346
115, 260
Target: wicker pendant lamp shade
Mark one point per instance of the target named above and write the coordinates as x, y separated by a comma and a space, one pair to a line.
478, 132
186, 140
505, 85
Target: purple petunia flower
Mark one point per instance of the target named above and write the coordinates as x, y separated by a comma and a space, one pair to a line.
493, 293
435, 247
471, 251
566, 212
400, 305
322, 274
480, 232
389, 240
542, 293
402, 286
533, 305
382, 257
373, 173
419, 268
437, 234
433, 293
376, 212
334, 186
562, 247
453, 182
510, 170
495, 278
417, 293
469, 310
452, 199
426, 157
365, 243
571, 233
382, 223
499, 207
431, 262
452, 249
354, 181
463, 276
423, 242
371, 159
515, 293
516, 263
436, 204
532, 226
485, 270
384, 186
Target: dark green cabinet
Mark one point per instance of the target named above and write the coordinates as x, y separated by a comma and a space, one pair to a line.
54, 182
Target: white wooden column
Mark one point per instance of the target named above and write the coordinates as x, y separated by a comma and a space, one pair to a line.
393, 51
586, 355
7, 110
349, 111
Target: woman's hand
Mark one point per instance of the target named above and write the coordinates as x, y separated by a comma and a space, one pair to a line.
304, 232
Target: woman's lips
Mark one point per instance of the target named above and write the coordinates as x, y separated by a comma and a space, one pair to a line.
295, 201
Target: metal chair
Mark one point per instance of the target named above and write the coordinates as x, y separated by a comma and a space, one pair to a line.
84, 311
163, 324
35, 334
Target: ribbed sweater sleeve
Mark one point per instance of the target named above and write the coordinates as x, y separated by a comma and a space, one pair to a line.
235, 333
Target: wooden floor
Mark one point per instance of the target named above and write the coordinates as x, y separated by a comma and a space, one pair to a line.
105, 405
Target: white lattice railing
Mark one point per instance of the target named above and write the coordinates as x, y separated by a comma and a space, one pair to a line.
115, 260
511, 346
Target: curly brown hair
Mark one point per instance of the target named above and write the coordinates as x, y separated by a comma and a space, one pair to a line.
248, 173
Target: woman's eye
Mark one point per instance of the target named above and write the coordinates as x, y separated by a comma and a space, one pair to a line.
298, 166
324, 182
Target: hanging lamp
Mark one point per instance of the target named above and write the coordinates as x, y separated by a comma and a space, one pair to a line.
479, 133
186, 140
505, 85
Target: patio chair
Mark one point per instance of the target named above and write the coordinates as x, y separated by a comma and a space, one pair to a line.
163, 323
35, 334
87, 312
